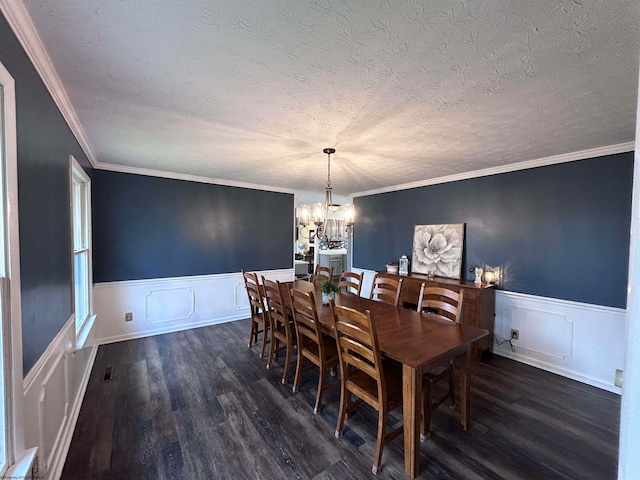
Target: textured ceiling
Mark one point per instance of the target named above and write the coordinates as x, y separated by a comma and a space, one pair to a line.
406, 90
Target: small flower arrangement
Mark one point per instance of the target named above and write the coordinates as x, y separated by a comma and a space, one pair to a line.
328, 287
392, 267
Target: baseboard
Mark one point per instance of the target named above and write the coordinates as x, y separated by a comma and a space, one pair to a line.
594, 382
169, 329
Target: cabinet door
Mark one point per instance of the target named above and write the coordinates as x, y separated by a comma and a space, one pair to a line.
336, 264
470, 307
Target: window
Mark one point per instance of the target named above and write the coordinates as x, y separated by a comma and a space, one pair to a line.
82, 276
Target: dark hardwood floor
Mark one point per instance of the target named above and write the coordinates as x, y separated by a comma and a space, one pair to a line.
198, 404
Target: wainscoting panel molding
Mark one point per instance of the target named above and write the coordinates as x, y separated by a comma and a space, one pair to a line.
171, 304
53, 407
576, 340
53, 392
529, 321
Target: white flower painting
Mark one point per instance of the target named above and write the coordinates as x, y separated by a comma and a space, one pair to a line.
437, 250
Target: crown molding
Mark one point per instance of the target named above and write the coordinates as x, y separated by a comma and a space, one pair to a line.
20, 22
539, 162
26, 33
190, 178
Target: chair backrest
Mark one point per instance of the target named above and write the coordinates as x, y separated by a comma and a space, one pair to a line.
305, 317
351, 280
254, 292
322, 274
441, 301
386, 289
358, 347
274, 294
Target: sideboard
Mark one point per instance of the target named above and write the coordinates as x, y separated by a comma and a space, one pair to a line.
478, 307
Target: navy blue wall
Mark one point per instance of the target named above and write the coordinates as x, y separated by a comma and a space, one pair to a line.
560, 231
44, 145
149, 227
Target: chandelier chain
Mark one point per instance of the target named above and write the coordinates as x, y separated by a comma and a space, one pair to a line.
329, 171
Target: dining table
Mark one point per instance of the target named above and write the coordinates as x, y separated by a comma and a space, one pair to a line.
420, 342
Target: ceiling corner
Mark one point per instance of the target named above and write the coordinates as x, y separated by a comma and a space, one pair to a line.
26, 33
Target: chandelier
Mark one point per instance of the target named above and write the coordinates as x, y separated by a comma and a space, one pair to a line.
331, 231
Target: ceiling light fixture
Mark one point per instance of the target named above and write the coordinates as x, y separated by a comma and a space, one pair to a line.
324, 216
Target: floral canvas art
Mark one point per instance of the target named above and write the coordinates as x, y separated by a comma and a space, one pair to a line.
437, 250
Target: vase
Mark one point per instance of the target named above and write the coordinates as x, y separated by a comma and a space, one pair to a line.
326, 297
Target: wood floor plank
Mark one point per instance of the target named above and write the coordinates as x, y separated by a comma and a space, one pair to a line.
251, 454
199, 404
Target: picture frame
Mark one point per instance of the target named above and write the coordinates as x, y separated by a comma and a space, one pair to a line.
437, 250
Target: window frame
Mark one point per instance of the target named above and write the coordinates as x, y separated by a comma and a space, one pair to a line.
80, 181
15, 453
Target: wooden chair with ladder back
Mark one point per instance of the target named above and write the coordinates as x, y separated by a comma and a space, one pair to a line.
259, 317
282, 329
386, 290
365, 374
313, 345
447, 304
322, 274
351, 282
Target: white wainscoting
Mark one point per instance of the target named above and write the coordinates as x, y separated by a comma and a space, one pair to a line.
170, 304
53, 392
576, 340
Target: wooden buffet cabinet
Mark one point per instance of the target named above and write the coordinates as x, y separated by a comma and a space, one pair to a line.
478, 308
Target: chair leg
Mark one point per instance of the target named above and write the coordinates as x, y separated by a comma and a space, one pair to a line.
382, 422
452, 389
252, 333
296, 380
265, 331
348, 402
316, 409
344, 401
272, 351
287, 362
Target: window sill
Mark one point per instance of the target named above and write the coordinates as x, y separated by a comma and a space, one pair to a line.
83, 334
22, 467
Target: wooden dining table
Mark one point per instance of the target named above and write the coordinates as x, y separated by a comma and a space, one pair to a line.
420, 342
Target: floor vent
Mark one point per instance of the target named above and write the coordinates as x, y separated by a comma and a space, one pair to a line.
108, 373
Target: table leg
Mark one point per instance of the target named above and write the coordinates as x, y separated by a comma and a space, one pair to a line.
412, 412
464, 362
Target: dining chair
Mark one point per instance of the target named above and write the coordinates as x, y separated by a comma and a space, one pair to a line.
447, 304
319, 349
282, 330
386, 290
322, 274
259, 317
365, 374
351, 281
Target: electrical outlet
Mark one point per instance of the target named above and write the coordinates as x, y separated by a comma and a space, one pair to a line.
515, 334
128, 317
